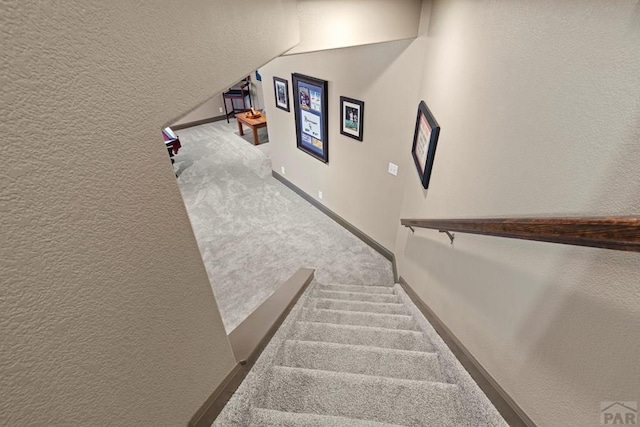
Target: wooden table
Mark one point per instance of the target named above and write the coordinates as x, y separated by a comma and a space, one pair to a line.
254, 124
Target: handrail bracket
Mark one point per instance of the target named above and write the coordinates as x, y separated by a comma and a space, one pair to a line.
450, 234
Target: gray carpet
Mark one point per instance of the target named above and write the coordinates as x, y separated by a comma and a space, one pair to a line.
252, 231
357, 356
354, 351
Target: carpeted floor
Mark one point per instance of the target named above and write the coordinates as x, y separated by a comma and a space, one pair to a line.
354, 350
253, 232
352, 355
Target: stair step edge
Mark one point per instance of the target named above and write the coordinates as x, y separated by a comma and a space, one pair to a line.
361, 347
287, 419
363, 318
368, 313
357, 284
361, 302
370, 328
358, 295
378, 290
277, 369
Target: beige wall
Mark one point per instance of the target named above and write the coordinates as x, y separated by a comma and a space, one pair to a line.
211, 108
539, 110
106, 314
355, 182
257, 91
337, 24
538, 104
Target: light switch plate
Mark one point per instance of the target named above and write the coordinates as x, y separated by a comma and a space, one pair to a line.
393, 169
282, 169
320, 195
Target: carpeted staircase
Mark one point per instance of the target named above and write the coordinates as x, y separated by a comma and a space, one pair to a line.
357, 356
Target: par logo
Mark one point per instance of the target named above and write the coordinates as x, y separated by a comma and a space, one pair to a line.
619, 413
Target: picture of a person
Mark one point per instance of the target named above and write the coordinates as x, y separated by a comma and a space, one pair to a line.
281, 96
304, 98
351, 121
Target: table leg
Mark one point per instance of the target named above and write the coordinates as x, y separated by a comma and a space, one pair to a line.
255, 134
240, 127
226, 113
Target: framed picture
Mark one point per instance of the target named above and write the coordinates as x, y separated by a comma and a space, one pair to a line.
351, 114
425, 139
310, 107
281, 91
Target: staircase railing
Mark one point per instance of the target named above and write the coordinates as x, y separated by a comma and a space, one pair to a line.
620, 233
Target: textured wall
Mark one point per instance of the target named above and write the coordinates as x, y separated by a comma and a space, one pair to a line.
355, 182
106, 313
538, 104
336, 24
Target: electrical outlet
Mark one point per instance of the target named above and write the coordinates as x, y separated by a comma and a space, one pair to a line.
320, 195
393, 169
282, 169
221, 109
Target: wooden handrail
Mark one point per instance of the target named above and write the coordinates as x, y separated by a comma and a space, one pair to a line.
620, 233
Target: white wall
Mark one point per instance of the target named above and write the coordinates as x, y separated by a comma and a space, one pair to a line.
538, 104
106, 313
355, 182
337, 24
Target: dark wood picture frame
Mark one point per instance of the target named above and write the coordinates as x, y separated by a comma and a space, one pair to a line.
425, 140
351, 126
281, 96
311, 106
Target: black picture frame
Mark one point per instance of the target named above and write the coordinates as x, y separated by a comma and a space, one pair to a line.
310, 101
281, 93
425, 140
351, 117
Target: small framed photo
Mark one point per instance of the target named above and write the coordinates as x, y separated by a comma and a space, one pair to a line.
281, 91
425, 139
351, 114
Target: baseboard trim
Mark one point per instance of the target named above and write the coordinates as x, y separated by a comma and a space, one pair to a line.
394, 266
508, 408
334, 216
249, 339
198, 122
199, 416
263, 322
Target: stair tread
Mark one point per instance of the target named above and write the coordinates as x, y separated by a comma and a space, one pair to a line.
362, 318
372, 398
357, 296
272, 418
363, 347
361, 359
361, 335
372, 303
359, 288
369, 313
364, 327
347, 305
368, 285
348, 378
